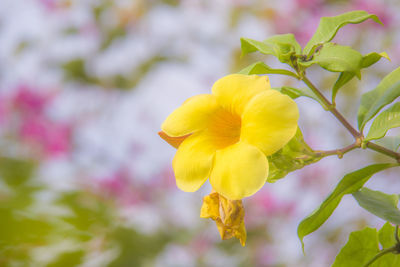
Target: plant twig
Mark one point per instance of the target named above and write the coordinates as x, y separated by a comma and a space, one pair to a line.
380, 254
358, 136
393, 249
332, 109
339, 152
384, 150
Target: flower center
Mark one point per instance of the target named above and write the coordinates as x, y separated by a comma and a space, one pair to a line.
225, 129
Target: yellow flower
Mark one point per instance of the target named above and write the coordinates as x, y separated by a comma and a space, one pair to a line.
228, 215
227, 135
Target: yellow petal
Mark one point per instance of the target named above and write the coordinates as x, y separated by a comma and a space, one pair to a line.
234, 91
224, 128
173, 141
193, 115
241, 233
227, 214
269, 121
210, 207
193, 161
232, 211
239, 171
227, 232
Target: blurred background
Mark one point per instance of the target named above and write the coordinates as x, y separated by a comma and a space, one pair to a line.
84, 88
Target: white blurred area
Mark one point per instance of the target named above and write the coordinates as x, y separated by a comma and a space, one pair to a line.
186, 46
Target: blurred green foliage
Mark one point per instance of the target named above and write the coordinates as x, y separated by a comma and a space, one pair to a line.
86, 219
76, 70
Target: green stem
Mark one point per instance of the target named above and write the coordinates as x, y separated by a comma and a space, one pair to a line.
332, 109
340, 152
358, 136
383, 150
380, 254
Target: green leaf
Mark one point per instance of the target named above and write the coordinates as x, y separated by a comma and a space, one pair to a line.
345, 77
350, 183
373, 101
390, 142
249, 46
388, 119
336, 58
289, 91
386, 235
372, 58
363, 245
281, 46
360, 248
387, 240
328, 27
262, 68
293, 156
287, 38
380, 204
297, 92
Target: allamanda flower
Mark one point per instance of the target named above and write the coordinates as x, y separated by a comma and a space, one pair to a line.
226, 136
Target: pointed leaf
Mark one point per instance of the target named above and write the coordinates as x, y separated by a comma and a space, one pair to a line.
360, 248
386, 120
297, 92
373, 101
345, 77
336, 58
293, 156
371, 58
350, 183
329, 26
262, 68
281, 46
380, 204
292, 92
249, 46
